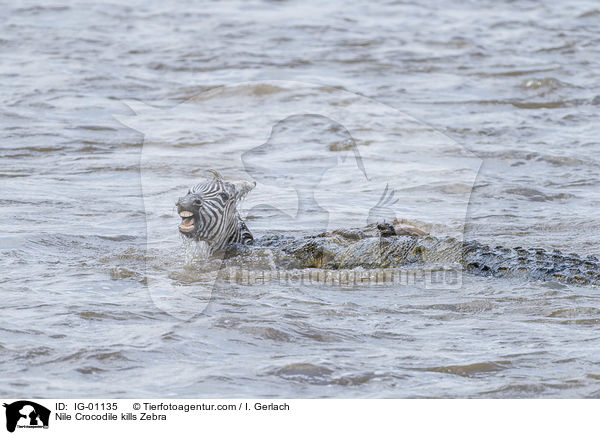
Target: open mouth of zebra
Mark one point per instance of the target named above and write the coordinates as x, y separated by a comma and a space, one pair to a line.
188, 222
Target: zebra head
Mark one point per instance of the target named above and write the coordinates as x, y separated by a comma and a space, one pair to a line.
209, 212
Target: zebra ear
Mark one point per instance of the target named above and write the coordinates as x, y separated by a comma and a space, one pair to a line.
242, 188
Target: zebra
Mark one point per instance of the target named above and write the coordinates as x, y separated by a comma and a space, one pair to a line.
209, 212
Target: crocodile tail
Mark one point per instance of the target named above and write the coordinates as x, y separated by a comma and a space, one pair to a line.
534, 264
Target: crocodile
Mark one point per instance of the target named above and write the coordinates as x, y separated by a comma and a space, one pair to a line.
384, 245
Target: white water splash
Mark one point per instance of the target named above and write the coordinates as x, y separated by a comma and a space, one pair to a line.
195, 251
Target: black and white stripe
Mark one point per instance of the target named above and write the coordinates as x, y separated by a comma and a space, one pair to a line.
219, 222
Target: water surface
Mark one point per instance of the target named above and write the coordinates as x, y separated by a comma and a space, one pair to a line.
476, 113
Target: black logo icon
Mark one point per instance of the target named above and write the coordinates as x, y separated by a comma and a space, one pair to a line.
26, 414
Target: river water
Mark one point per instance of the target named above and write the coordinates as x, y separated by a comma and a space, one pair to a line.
481, 117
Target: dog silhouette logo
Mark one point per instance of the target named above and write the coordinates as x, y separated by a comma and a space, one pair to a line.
26, 414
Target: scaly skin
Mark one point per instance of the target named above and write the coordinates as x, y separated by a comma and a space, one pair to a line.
368, 249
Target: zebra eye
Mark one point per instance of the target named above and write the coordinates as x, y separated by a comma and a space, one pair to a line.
197, 202
224, 196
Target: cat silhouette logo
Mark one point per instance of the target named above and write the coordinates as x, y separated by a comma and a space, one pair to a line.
26, 414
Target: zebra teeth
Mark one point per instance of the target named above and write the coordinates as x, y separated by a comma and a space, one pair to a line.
186, 228
186, 214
